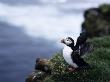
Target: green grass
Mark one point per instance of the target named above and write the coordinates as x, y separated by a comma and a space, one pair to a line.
99, 60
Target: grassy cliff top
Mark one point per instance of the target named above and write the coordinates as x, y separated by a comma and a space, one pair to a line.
99, 60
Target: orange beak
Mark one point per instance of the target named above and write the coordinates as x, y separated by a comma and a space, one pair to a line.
62, 41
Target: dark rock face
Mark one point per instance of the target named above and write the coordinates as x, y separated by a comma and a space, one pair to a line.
43, 65
42, 70
36, 76
97, 21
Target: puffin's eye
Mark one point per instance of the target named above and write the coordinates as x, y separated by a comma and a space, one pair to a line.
67, 40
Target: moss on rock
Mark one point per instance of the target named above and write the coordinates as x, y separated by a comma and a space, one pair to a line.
99, 60
97, 21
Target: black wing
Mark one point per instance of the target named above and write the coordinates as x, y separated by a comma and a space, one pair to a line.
81, 40
78, 60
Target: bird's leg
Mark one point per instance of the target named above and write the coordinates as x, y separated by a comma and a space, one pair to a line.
71, 68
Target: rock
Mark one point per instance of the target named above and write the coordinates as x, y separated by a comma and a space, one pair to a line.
42, 70
43, 65
36, 76
97, 21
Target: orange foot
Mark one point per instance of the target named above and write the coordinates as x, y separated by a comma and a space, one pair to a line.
71, 69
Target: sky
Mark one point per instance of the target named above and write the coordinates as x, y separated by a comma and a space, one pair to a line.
29, 2
50, 19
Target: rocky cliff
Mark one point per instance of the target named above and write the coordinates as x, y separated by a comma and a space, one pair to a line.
97, 21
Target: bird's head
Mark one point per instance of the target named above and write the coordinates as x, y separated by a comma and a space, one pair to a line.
68, 41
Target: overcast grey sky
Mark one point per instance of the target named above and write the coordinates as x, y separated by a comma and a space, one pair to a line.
30, 2
39, 18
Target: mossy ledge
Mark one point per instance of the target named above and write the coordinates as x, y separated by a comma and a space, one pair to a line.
99, 60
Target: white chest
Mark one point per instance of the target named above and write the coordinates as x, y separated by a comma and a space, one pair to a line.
67, 51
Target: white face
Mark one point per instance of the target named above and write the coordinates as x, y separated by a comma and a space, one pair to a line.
67, 41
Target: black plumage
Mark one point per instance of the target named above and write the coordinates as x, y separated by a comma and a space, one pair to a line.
81, 41
76, 58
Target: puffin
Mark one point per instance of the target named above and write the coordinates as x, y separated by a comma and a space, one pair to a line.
71, 56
